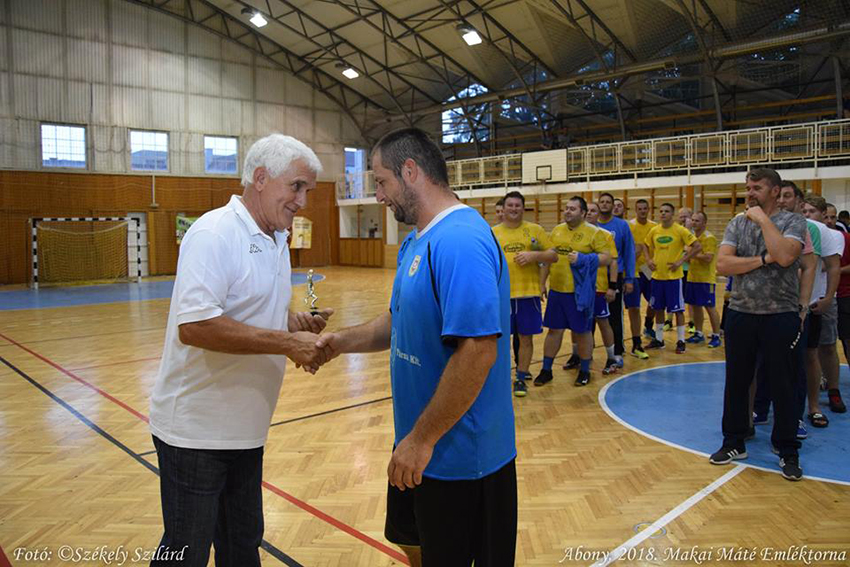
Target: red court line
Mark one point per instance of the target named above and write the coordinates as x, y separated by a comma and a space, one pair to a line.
285, 495
4, 561
77, 378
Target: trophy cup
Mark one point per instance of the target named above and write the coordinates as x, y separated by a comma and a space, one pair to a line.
311, 297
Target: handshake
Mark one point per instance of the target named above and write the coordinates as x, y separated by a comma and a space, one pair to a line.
307, 347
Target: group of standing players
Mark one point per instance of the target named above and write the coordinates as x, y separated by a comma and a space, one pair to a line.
592, 264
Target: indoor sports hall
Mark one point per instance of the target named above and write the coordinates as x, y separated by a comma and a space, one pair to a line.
124, 121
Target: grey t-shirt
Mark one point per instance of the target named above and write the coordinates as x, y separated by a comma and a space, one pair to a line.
767, 289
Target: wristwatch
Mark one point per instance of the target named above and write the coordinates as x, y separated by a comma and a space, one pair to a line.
803, 308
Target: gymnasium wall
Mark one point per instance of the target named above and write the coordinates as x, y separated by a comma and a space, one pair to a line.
111, 65
25, 194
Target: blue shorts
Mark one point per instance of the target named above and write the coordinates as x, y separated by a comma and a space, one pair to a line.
698, 293
526, 316
561, 313
643, 287
667, 296
600, 307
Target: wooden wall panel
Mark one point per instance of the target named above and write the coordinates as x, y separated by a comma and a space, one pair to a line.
323, 211
367, 252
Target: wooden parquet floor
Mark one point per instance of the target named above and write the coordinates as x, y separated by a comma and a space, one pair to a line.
77, 466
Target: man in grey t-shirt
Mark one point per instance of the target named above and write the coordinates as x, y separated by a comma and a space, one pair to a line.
761, 248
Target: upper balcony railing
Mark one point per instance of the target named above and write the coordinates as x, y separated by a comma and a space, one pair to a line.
815, 142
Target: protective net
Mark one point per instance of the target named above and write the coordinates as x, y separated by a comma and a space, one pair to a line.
82, 251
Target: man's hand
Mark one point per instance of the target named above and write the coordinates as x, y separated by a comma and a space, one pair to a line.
544, 293
407, 463
524, 258
820, 306
304, 351
304, 321
756, 214
628, 287
572, 257
651, 264
610, 295
674, 265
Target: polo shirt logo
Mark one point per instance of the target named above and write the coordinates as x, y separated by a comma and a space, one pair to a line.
254, 249
414, 265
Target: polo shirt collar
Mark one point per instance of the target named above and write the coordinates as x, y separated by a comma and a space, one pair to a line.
242, 212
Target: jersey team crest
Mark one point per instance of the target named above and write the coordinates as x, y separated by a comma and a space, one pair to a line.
414, 265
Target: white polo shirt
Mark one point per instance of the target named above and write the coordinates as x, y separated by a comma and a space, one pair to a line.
212, 400
831, 243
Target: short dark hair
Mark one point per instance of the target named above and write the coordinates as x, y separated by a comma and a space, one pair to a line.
413, 143
797, 192
816, 201
581, 202
500, 202
514, 195
828, 205
606, 194
672, 208
704, 216
767, 173
844, 214
639, 201
618, 199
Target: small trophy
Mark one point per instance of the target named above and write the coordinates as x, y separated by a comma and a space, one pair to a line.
311, 298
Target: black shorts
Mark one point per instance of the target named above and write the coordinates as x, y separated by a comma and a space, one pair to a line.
844, 318
456, 522
814, 330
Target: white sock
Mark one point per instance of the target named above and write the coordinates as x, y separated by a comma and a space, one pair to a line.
610, 351
659, 331
680, 331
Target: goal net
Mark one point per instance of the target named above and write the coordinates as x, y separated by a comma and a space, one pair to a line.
84, 250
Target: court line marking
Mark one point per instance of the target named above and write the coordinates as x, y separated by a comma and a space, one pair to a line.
615, 417
292, 499
271, 549
683, 507
75, 337
361, 404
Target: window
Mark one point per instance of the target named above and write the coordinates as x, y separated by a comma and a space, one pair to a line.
355, 167
455, 121
148, 150
220, 154
63, 146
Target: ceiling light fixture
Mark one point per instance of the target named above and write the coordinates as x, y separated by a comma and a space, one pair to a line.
257, 18
470, 36
351, 73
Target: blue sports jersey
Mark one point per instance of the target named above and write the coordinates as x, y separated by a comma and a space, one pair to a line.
451, 283
625, 243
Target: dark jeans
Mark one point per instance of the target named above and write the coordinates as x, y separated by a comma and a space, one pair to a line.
761, 404
772, 336
211, 497
616, 317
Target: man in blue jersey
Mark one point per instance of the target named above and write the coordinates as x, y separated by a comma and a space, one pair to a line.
625, 244
452, 497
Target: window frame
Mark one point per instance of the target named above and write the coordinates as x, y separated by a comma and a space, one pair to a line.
167, 150
86, 153
222, 173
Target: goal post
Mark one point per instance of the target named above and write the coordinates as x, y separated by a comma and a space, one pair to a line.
82, 249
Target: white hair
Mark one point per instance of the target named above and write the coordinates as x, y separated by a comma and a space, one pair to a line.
276, 152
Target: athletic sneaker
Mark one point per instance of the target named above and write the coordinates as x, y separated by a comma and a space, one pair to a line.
649, 333
668, 324
655, 343
583, 378
726, 455
619, 361
760, 418
714, 342
836, 404
801, 430
638, 352
692, 328
695, 339
680, 347
791, 467
610, 367
573, 362
544, 377
520, 388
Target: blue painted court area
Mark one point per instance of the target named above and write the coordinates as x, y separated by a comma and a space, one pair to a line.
682, 405
109, 293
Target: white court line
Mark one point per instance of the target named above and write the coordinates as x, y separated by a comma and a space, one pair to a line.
628, 425
667, 518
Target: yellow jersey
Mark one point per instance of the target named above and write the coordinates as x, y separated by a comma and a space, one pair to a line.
604, 271
666, 246
705, 272
584, 238
639, 232
527, 237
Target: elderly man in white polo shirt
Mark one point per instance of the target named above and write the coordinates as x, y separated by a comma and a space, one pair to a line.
229, 334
